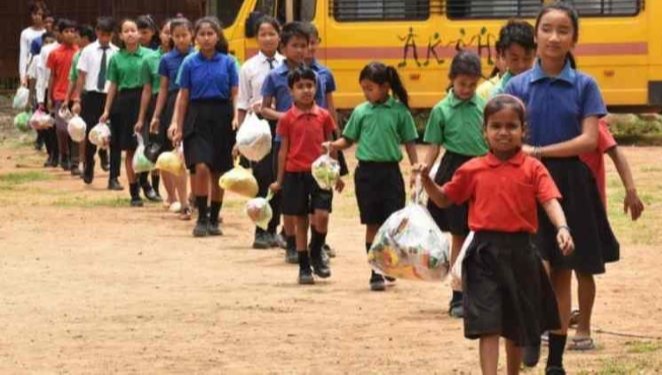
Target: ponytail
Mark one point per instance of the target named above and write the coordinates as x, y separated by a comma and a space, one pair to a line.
398, 88
380, 74
572, 60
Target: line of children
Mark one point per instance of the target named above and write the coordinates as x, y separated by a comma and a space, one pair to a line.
41, 91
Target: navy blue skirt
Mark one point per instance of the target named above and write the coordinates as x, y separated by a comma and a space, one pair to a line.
208, 135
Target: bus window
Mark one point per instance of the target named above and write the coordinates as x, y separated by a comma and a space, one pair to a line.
304, 10
380, 10
227, 11
468, 9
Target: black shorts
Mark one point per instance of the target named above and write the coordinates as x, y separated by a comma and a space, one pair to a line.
92, 105
123, 117
302, 196
380, 191
454, 218
506, 289
208, 135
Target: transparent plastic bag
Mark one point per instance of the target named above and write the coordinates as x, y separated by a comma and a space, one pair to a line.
65, 114
259, 211
409, 245
326, 171
140, 161
100, 135
21, 121
170, 162
21, 98
239, 180
77, 128
254, 138
456, 270
41, 120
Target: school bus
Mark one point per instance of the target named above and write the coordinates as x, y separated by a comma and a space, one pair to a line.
619, 40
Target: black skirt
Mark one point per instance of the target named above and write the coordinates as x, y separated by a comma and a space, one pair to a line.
380, 191
208, 135
595, 243
123, 117
506, 289
454, 218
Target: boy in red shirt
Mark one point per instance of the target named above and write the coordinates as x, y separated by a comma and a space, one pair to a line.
303, 129
59, 63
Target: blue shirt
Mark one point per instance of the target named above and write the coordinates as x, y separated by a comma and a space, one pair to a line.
556, 106
35, 46
325, 75
169, 67
208, 78
275, 85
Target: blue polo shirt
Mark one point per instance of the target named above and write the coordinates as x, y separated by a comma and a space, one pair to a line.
208, 78
556, 106
326, 77
169, 67
275, 85
35, 46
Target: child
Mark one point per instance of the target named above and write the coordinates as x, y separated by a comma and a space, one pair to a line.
149, 32
126, 84
181, 31
251, 77
37, 12
558, 134
379, 126
59, 63
92, 85
39, 73
507, 292
294, 41
484, 90
455, 123
208, 79
302, 130
518, 49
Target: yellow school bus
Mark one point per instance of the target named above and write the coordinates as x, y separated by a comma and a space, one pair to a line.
620, 40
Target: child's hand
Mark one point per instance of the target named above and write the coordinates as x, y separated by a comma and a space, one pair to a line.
425, 173
340, 185
104, 118
564, 240
76, 108
154, 126
138, 128
633, 204
235, 152
235, 123
174, 134
275, 187
328, 146
529, 150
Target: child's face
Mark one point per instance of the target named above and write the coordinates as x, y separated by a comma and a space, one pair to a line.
48, 23
129, 34
206, 38
37, 17
464, 86
49, 40
374, 92
303, 92
146, 36
165, 35
312, 48
69, 36
104, 37
182, 37
518, 59
555, 35
268, 38
83, 41
504, 131
295, 49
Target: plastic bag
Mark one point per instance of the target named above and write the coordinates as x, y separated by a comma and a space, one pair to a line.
170, 162
254, 138
326, 171
65, 114
456, 270
100, 135
409, 245
239, 180
76, 128
21, 121
259, 211
41, 120
140, 161
21, 98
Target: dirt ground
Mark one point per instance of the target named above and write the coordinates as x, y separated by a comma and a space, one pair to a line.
89, 285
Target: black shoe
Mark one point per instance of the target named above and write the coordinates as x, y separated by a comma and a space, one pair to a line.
276, 240
456, 310
320, 268
115, 185
531, 355
306, 276
377, 283
262, 241
38, 145
150, 194
54, 162
201, 229
136, 202
103, 156
554, 370
88, 173
48, 162
329, 251
214, 229
65, 164
291, 256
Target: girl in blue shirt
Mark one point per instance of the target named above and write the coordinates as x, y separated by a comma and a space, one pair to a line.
563, 107
208, 81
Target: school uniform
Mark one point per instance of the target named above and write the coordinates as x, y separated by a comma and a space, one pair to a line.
457, 125
59, 63
484, 90
379, 130
276, 86
500, 86
595, 160
305, 132
506, 289
208, 134
575, 96
150, 75
169, 67
27, 36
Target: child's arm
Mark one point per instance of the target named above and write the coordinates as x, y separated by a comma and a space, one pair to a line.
49, 97
180, 110
144, 103
282, 158
80, 84
631, 201
331, 107
268, 112
112, 90
435, 193
557, 217
339, 144
160, 103
587, 141
432, 155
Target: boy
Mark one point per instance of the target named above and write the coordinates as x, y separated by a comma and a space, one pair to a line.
276, 93
302, 130
41, 87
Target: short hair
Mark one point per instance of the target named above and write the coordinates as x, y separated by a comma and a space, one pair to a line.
86, 31
465, 63
268, 20
47, 34
300, 73
293, 30
65, 23
517, 32
312, 30
106, 24
36, 6
503, 101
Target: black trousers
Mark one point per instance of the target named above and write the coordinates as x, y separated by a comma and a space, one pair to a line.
92, 104
265, 172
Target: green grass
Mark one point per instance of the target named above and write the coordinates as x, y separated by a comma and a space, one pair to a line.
82, 202
639, 347
11, 180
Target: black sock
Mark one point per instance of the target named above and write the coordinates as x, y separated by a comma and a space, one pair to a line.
316, 242
556, 349
201, 204
304, 260
291, 242
457, 296
142, 178
156, 181
134, 190
368, 245
214, 211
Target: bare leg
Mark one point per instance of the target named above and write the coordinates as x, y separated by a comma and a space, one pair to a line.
128, 164
456, 246
489, 354
513, 357
181, 184
586, 295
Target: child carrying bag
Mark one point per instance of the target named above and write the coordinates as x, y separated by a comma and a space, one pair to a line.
254, 138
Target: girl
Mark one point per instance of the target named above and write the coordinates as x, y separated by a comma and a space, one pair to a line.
455, 123
37, 12
379, 126
507, 292
518, 49
125, 84
560, 133
251, 77
208, 79
149, 32
181, 31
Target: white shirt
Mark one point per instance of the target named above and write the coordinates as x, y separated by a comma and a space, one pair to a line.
43, 73
252, 76
27, 36
90, 63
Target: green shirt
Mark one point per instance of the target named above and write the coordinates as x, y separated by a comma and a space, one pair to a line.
150, 71
500, 86
73, 72
457, 125
125, 68
485, 89
380, 129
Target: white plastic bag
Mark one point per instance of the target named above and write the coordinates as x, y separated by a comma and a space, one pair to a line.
76, 128
254, 138
259, 211
21, 98
409, 245
100, 135
41, 120
140, 161
326, 171
456, 271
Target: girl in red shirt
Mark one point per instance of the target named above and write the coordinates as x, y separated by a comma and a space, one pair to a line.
506, 290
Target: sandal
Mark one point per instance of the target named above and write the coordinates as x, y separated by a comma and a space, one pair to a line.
185, 214
574, 318
581, 343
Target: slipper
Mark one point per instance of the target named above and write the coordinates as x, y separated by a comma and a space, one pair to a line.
544, 338
582, 343
574, 318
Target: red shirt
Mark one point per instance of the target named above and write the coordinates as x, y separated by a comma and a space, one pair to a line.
502, 194
596, 161
305, 131
59, 62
